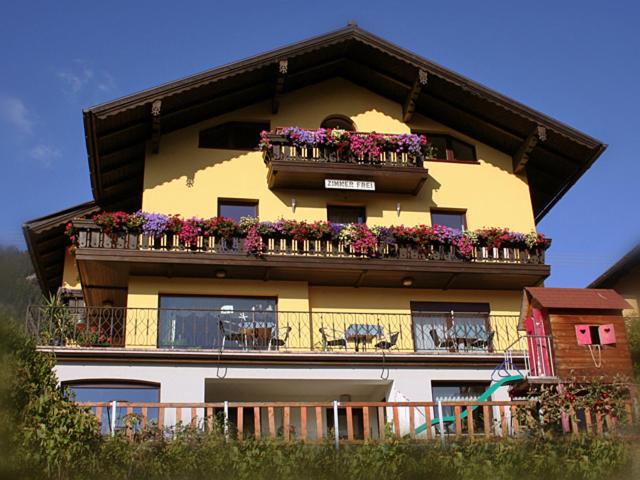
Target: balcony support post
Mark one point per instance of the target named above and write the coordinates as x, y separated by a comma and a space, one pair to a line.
336, 425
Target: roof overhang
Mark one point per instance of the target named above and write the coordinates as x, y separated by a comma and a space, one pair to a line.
552, 154
47, 243
624, 266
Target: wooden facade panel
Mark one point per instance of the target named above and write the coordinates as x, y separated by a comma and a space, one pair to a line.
581, 361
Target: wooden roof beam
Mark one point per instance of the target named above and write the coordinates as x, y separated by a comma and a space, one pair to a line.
156, 106
412, 97
520, 159
283, 67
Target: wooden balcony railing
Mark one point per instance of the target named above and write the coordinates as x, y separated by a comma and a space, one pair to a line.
251, 331
89, 235
282, 149
356, 421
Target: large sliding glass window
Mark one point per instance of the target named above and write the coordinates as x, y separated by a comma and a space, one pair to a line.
119, 392
216, 322
451, 326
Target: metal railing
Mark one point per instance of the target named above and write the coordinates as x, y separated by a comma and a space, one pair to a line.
283, 149
536, 352
271, 331
336, 421
90, 235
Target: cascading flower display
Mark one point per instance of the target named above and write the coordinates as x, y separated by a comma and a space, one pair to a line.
359, 239
360, 144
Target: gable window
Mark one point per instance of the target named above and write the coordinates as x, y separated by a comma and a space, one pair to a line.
449, 219
338, 121
236, 209
346, 214
233, 135
451, 326
449, 148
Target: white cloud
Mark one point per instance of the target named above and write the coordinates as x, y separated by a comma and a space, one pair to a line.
80, 78
14, 112
45, 154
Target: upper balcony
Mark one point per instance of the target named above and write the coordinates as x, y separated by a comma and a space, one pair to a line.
316, 159
326, 254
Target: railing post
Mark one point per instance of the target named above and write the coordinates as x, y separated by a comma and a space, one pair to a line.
336, 426
226, 420
441, 422
114, 410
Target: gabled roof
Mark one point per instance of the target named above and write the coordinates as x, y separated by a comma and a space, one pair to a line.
577, 298
117, 131
623, 266
47, 243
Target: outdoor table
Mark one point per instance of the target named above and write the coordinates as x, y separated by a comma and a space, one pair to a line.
362, 333
257, 333
466, 336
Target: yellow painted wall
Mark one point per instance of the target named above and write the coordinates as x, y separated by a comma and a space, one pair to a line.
331, 307
70, 275
187, 180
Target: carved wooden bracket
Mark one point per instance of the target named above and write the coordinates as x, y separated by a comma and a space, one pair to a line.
156, 106
412, 97
521, 157
283, 68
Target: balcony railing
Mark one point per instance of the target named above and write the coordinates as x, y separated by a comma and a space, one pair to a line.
356, 421
90, 235
283, 149
270, 331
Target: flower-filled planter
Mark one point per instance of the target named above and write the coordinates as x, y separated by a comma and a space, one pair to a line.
435, 242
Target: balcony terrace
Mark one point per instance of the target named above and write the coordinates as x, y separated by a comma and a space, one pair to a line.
271, 332
105, 260
292, 165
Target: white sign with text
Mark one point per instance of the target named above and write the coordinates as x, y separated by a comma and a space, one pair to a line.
349, 184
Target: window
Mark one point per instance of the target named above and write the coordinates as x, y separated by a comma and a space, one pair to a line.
451, 326
448, 390
346, 214
236, 209
231, 323
233, 135
454, 220
108, 391
338, 121
447, 147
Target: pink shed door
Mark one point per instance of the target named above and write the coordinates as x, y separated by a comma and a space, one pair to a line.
538, 344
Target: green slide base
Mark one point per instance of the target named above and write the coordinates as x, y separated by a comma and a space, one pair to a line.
486, 395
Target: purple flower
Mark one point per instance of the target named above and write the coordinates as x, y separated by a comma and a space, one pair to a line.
155, 224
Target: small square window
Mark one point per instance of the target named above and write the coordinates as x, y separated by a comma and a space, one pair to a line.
454, 220
236, 209
346, 214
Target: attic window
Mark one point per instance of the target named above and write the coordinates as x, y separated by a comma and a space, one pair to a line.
233, 135
338, 121
449, 148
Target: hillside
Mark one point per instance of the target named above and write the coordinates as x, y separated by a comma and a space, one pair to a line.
18, 285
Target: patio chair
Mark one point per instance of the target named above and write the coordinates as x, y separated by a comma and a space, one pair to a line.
276, 341
484, 343
228, 334
387, 343
441, 342
337, 340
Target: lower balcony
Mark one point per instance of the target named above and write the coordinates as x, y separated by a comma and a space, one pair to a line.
271, 332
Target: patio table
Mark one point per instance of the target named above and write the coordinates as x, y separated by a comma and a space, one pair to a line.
363, 333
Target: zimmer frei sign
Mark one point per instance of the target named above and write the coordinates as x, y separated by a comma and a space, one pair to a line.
334, 183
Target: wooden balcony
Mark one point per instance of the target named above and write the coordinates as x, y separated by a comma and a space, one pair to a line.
309, 168
106, 260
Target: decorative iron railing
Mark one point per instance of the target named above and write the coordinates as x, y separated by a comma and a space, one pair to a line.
271, 331
90, 235
283, 149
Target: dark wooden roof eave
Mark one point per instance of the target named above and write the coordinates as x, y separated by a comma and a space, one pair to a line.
52, 226
625, 264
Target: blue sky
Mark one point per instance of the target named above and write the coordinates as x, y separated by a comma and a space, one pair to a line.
577, 61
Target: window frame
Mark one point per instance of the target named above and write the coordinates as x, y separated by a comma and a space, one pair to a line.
449, 154
362, 207
445, 211
238, 202
344, 118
